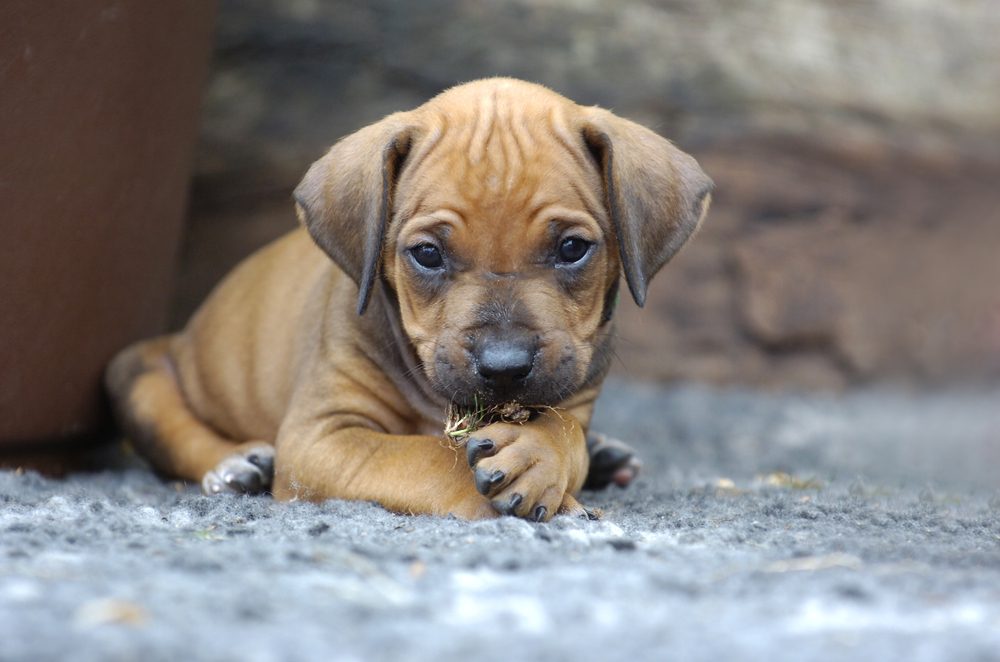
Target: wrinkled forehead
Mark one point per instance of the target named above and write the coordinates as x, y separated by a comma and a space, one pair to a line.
499, 159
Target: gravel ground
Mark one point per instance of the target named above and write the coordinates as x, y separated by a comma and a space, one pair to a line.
765, 526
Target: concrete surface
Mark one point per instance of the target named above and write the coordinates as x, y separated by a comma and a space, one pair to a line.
765, 526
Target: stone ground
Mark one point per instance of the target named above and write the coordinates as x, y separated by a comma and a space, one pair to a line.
765, 526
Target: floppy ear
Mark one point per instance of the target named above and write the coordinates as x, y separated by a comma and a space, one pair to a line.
345, 199
655, 193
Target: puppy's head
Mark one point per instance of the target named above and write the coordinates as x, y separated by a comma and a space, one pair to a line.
501, 215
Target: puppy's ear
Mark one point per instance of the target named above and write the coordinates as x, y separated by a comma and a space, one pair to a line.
345, 199
655, 193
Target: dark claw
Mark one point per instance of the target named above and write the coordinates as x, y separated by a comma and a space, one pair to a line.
540, 513
511, 505
485, 482
476, 449
508, 507
246, 482
264, 462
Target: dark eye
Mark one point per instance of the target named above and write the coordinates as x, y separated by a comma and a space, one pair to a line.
573, 249
427, 256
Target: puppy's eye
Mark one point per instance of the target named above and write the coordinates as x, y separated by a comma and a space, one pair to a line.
427, 256
573, 249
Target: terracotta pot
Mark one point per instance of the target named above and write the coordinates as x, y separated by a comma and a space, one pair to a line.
99, 109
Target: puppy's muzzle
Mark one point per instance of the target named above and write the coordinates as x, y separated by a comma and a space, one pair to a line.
504, 365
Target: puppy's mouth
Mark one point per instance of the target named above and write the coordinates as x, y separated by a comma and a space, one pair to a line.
501, 372
472, 397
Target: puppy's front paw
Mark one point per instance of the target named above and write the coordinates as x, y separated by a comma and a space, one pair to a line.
611, 461
248, 471
524, 472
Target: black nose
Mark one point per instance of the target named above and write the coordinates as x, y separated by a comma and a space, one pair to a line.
505, 363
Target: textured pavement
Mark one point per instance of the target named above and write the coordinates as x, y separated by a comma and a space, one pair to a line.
777, 526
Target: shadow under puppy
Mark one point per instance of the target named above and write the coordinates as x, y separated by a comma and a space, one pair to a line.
468, 250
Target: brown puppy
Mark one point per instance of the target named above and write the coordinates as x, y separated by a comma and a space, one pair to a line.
476, 247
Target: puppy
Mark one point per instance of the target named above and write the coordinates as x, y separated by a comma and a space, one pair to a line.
468, 250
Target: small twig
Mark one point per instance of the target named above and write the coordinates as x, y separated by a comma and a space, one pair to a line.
462, 422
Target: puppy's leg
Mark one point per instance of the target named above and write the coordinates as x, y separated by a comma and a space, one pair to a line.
411, 474
151, 409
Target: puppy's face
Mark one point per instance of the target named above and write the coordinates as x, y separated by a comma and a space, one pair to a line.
503, 262
501, 216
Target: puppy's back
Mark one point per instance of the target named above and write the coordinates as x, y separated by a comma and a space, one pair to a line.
238, 358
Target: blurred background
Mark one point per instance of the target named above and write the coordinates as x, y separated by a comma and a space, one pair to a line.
855, 146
